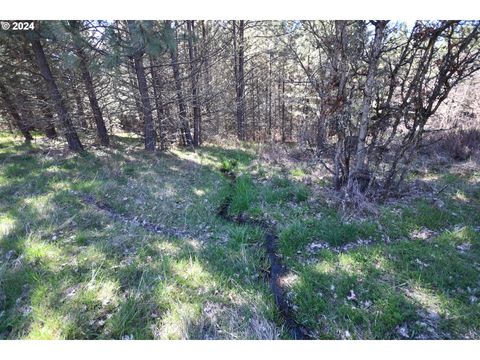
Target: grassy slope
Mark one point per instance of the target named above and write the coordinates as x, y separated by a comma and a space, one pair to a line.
418, 277
68, 270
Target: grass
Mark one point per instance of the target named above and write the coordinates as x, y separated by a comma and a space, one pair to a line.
407, 286
70, 271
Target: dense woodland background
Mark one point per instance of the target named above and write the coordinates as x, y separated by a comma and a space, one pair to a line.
363, 96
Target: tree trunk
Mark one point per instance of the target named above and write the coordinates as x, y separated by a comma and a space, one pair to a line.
48, 123
88, 82
157, 93
194, 75
150, 134
207, 77
149, 129
133, 82
240, 77
92, 98
358, 174
321, 133
13, 111
71, 135
269, 100
185, 127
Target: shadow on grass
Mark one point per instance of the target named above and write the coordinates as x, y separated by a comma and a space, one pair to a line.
70, 271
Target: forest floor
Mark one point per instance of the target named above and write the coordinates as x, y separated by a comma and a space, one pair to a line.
124, 244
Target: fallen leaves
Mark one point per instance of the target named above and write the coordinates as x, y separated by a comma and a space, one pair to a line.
422, 234
352, 296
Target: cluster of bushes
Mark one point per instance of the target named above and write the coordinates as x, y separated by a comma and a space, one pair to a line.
460, 145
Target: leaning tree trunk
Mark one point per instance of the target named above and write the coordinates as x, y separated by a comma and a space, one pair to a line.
13, 111
92, 98
359, 174
150, 134
71, 135
194, 74
48, 123
88, 82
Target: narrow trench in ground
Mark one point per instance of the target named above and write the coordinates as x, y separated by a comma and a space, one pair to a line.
277, 268
150, 227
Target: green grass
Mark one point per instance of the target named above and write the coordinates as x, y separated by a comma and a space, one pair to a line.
70, 271
425, 286
328, 229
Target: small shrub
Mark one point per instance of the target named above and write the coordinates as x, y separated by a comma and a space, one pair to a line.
297, 172
459, 145
228, 165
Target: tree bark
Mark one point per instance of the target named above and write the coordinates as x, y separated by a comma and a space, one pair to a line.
150, 134
194, 75
284, 137
360, 166
149, 129
207, 77
88, 82
269, 99
92, 98
157, 93
239, 62
71, 135
184, 125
